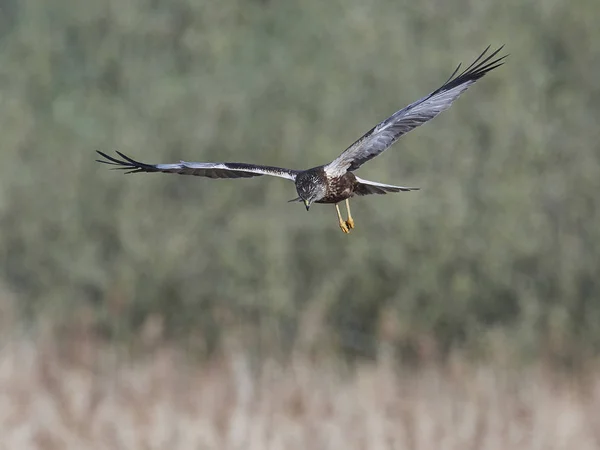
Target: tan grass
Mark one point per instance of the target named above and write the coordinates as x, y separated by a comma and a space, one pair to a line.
92, 399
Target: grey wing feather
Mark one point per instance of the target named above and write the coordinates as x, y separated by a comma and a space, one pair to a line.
210, 170
366, 187
382, 136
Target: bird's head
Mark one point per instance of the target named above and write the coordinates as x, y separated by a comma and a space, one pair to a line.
310, 188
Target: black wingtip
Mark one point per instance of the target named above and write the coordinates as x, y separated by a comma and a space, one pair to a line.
109, 159
135, 163
126, 163
483, 64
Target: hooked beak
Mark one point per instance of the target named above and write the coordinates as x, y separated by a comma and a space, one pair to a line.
307, 204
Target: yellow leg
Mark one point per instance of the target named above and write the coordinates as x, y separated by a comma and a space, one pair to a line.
350, 221
342, 223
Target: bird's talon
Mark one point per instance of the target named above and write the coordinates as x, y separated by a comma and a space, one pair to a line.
344, 227
350, 223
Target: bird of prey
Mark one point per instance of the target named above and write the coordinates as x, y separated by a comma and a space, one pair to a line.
335, 182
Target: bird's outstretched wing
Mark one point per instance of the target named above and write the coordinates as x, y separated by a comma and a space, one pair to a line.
210, 170
383, 135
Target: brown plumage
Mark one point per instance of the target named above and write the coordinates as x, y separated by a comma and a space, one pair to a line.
340, 188
337, 189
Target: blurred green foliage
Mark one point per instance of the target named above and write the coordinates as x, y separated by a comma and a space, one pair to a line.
502, 244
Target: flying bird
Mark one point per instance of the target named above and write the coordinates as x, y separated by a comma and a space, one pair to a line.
335, 182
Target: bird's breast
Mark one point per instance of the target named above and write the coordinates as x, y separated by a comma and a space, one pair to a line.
339, 188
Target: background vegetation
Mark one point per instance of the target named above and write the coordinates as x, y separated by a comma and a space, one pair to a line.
497, 254
49, 403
